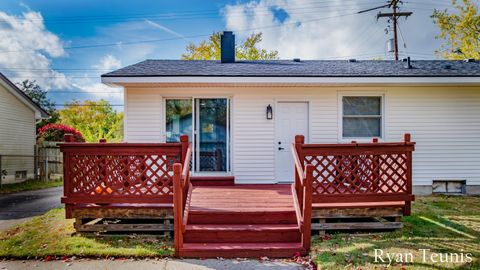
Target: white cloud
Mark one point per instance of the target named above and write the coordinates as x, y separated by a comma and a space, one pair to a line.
97, 90
325, 30
26, 44
108, 63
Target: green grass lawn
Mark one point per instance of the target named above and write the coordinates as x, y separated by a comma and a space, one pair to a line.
52, 235
439, 223
443, 224
29, 185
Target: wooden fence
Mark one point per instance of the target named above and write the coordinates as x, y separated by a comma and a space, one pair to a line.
49, 161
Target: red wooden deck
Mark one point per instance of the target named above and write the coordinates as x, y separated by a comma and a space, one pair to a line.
240, 220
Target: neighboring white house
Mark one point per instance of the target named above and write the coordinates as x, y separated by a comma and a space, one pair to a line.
226, 104
18, 115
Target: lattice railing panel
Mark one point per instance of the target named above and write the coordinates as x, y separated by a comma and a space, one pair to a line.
360, 173
122, 175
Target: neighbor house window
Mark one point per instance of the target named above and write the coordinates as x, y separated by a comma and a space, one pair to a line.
362, 116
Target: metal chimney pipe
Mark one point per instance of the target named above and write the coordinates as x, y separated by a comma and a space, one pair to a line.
409, 64
227, 47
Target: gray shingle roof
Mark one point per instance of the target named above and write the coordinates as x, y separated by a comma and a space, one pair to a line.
307, 68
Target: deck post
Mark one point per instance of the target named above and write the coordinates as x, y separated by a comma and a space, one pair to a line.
177, 207
408, 204
66, 175
184, 142
307, 207
68, 137
375, 169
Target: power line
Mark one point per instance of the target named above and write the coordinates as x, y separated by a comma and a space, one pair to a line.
184, 37
93, 92
180, 15
88, 105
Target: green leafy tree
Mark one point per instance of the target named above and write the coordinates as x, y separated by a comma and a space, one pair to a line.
247, 50
94, 119
39, 96
460, 30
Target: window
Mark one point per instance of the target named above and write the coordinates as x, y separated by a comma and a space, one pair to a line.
20, 175
361, 116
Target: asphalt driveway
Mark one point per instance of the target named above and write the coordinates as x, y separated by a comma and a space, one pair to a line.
18, 207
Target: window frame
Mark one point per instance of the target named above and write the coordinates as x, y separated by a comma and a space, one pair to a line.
343, 94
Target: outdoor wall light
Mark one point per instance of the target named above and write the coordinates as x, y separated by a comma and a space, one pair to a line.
269, 112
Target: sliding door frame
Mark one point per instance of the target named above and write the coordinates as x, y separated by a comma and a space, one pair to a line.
195, 134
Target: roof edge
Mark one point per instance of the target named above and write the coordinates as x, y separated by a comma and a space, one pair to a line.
119, 80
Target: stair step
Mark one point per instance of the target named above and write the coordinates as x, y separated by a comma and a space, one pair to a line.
243, 250
241, 217
242, 233
213, 180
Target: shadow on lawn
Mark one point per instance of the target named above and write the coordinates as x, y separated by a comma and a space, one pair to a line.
435, 225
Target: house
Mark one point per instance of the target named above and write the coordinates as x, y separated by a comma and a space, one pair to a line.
261, 105
244, 114
248, 158
18, 115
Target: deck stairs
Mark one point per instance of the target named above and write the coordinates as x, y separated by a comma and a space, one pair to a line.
241, 221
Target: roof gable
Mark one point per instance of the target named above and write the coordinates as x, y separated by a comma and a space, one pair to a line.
12, 88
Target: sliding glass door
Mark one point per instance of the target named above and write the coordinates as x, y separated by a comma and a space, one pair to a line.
206, 121
212, 134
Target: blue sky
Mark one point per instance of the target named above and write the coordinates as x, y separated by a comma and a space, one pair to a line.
64, 45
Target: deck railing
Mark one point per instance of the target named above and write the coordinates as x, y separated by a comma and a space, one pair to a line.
302, 192
352, 172
127, 173
182, 191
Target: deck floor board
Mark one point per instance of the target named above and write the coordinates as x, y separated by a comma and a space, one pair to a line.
242, 198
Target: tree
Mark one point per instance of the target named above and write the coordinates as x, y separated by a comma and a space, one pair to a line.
460, 30
210, 50
39, 96
56, 133
94, 119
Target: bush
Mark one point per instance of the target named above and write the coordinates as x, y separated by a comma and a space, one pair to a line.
56, 132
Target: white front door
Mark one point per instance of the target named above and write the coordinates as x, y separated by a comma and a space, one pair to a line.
291, 119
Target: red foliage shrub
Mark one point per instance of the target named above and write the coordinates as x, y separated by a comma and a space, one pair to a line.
56, 132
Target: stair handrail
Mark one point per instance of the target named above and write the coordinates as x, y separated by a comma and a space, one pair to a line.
187, 185
182, 189
302, 192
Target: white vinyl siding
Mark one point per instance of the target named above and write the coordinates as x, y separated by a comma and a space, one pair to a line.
253, 139
445, 124
143, 116
444, 121
17, 134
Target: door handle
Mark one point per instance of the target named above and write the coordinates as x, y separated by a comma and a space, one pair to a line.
281, 148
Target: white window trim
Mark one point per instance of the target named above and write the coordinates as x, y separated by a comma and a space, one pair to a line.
354, 93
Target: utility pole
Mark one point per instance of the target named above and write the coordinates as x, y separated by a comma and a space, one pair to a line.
394, 17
